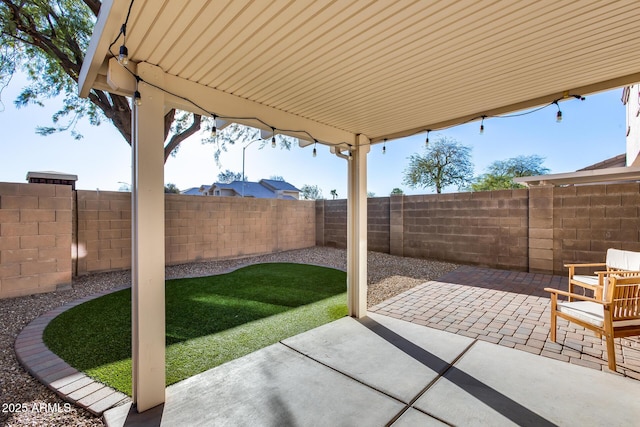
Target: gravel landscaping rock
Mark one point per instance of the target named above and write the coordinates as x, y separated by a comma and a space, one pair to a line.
25, 401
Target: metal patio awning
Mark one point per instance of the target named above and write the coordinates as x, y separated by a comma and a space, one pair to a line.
384, 69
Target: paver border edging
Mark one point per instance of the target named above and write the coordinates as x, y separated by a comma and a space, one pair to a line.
66, 381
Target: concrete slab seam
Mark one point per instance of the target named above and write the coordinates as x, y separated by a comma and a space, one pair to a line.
428, 386
341, 373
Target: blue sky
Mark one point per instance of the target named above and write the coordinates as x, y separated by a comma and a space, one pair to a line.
591, 131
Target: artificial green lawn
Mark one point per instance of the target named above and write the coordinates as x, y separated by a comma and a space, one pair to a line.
209, 320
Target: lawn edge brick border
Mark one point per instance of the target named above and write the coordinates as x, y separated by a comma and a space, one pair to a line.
47, 367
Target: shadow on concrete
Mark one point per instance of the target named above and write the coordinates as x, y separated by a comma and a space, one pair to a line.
489, 396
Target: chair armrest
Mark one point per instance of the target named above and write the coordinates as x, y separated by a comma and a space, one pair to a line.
593, 264
572, 295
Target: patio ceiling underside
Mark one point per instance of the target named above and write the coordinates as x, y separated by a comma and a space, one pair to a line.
384, 69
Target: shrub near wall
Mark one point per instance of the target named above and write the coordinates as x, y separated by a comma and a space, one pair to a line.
35, 238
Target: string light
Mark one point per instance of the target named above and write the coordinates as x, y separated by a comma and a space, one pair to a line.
559, 113
123, 56
273, 138
315, 152
426, 142
214, 129
482, 125
384, 146
137, 98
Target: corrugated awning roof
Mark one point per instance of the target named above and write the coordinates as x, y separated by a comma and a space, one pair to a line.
384, 69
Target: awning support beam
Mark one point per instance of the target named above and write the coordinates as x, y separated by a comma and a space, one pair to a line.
147, 236
357, 228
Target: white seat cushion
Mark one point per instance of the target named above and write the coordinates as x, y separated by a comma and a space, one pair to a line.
588, 280
592, 313
587, 311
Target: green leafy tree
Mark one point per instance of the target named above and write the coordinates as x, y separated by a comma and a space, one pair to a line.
397, 192
446, 162
371, 194
500, 173
311, 192
171, 188
334, 194
229, 176
46, 40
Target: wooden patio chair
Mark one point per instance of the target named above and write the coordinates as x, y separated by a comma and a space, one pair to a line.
618, 262
616, 315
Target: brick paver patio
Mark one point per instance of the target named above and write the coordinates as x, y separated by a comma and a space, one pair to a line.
507, 308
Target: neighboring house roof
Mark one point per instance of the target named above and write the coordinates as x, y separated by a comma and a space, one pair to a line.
265, 189
614, 162
196, 191
193, 191
279, 185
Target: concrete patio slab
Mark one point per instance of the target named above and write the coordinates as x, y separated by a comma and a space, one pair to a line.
494, 385
275, 386
325, 377
351, 348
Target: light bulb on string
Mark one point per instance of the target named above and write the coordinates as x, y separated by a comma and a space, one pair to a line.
426, 142
273, 138
559, 113
482, 125
384, 146
315, 152
137, 98
123, 55
214, 129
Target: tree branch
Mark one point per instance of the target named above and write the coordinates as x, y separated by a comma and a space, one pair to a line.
94, 5
168, 119
178, 138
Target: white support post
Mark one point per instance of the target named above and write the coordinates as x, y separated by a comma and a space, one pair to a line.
357, 229
147, 224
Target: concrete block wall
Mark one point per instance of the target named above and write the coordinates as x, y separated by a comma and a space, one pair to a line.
378, 227
334, 223
587, 220
483, 228
196, 228
199, 228
35, 238
541, 229
104, 231
486, 228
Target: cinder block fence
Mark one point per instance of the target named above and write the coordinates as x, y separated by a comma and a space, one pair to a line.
536, 230
48, 233
35, 238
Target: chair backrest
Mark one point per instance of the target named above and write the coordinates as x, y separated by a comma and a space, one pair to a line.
624, 293
623, 260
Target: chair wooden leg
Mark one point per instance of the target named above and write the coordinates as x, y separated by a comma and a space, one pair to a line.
611, 352
554, 318
570, 289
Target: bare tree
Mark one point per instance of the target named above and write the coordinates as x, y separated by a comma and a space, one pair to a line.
446, 162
